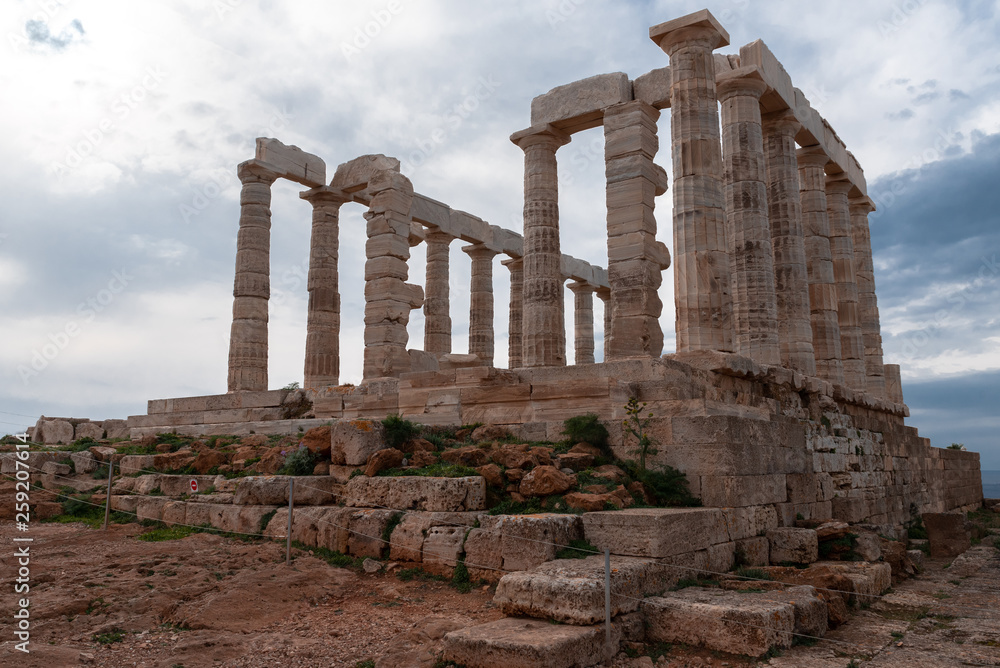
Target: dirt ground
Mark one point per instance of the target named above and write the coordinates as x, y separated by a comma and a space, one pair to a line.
210, 601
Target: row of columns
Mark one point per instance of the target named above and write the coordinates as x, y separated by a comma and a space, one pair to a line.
773, 256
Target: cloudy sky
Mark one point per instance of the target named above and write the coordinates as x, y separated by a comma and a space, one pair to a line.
124, 122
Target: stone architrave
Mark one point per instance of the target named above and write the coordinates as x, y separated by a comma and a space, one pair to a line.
322, 365
634, 274
791, 278
583, 321
605, 296
822, 286
481, 302
852, 347
755, 308
437, 302
515, 314
252, 287
544, 342
388, 297
702, 275
871, 329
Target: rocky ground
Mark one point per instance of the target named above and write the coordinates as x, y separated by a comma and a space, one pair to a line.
210, 601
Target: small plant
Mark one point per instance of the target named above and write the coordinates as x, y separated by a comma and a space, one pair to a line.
915, 528
294, 385
636, 425
460, 578
588, 429
578, 549
370, 663
301, 461
753, 574
109, 637
80, 444
957, 446
390, 526
669, 487
399, 431
266, 519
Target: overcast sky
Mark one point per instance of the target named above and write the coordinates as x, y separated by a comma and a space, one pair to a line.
124, 123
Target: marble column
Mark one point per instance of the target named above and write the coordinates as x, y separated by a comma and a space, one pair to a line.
544, 341
515, 313
701, 254
388, 297
583, 321
791, 278
322, 364
437, 302
852, 347
605, 296
252, 287
635, 274
755, 307
822, 285
871, 329
481, 302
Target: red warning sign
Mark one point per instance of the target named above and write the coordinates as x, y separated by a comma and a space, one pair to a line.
194, 485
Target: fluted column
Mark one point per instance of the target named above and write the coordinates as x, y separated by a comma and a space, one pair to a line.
322, 364
605, 296
388, 297
791, 279
481, 302
252, 287
634, 271
822, 286
701, 254
544, 340
437, 301
515, 314
852, 347
871, 329
583, 321
755, 308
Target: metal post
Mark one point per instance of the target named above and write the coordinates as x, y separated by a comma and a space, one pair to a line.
107, 501
607, 599
288, 538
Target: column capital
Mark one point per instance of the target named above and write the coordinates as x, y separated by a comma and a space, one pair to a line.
581, 287
257, 171
603, 292
783, 121
861, 206
540, 134
325, 195
812, 156
700, 26
838, 185
513, 263
436, 235
745, 81
479, 252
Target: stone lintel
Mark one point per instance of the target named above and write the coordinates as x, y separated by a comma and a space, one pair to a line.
666, 33
580, 105
653, 88
295, 164
354, 175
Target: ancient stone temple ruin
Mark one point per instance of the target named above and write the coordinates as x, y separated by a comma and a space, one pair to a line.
776, 401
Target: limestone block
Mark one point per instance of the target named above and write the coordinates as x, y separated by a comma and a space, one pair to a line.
653, 88
721, 557
273, 490
174, 512
751, 521
442, 549
578, 105
355, 174
483, 554
94, 430
366, 526
56, 469
572, 590
514, 642
741, 491
869, 580
116, 428
151, 508
797, 546
125, 503
51, 432
35, 461
294, 164
720, 620
948, 534
868, 546
655, 532
520, 542
352, 442
810, 609
132, 464
754, 551
83, 462
417, 493
179, 485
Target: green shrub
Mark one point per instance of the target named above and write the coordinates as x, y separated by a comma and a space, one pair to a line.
399, 431
80, 444
753, 574
669, 487
266, 519
460, 578
109, 637
436, 470
301, 461
588, 429
578, 549
915, 528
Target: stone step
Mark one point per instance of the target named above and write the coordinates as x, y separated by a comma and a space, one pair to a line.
515, 642
733, 621
231, 428
572, 590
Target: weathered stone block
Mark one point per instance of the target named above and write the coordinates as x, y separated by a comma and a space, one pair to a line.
948, 534
655, 532
273, 490
517, 542
754, 551
578, 105
352, 442
417, 493
528, 643
94, 430
442, 549
797, 546
83, 462
740, 491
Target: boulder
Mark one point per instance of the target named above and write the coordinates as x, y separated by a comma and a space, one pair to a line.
418, 445
383, 460
611, 472
54, 468
792, 545
544, 481
586, 449
949, 534
84, 461
51, 432
868, 546
94, 430
318, 440
514, 456
577, 461
354, 441
492, 473
469, 455
589, 502
422, 458
208, 460
490, 432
